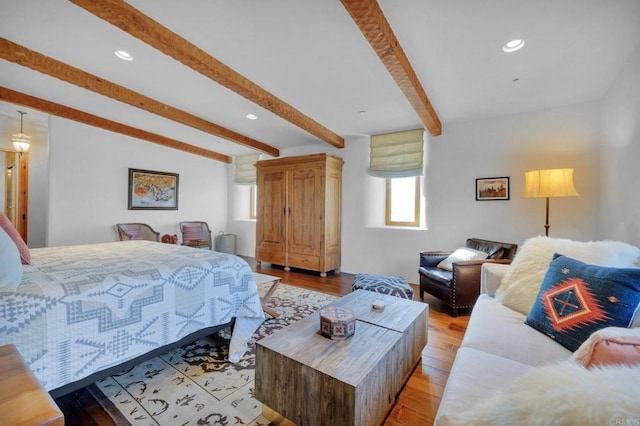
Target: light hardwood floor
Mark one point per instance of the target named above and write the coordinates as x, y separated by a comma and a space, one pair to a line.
417, 403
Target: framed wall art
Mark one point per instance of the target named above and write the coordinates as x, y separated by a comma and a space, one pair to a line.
492, 189
149, 190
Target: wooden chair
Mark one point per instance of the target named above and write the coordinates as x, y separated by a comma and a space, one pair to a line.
196, 234
137, 231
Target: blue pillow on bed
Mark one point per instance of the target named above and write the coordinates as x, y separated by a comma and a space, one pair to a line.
10, 264
576, 299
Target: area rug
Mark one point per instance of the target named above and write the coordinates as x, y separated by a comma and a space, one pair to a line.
195, 384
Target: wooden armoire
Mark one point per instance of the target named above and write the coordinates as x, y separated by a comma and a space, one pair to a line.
299, 212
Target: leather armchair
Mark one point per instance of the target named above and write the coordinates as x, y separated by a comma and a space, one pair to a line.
460, 288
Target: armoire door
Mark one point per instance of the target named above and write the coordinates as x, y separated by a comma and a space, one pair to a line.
271, 226
304, 216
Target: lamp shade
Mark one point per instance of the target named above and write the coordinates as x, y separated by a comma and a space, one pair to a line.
549, 183
21, 142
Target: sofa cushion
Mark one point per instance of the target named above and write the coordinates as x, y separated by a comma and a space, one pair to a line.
522, 281
460, 255
494, 328
439, 275
610, 346
474, 375
563, 393
576, 299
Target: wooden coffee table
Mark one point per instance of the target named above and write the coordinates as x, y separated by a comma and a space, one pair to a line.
312, 380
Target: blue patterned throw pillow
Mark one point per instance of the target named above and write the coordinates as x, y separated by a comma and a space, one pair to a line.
576, 299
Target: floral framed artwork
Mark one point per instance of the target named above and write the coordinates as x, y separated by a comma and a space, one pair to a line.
150, 190
492, 189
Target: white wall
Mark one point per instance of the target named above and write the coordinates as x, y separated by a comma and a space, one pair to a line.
506, 146
619, 156
88, 176
89, 179
38, 188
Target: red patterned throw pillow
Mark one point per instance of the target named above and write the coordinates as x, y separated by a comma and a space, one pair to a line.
5, 223
576, 299
192, 233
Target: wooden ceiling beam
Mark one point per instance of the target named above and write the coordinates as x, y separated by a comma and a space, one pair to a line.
38, 62
59, 110
376, 29
141, 26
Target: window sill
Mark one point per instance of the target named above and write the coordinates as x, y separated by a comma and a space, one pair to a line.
401, 228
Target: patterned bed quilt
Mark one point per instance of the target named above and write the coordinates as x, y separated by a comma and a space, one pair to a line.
82, 309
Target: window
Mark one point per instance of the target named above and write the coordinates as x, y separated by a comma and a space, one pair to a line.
403, 201
253, 205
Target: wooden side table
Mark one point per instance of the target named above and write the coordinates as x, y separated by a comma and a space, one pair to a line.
22, 400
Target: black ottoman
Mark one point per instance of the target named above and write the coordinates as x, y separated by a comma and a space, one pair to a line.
385, 284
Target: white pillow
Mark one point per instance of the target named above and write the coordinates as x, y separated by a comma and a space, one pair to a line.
10, 264
460, 255
565, 393
521, 284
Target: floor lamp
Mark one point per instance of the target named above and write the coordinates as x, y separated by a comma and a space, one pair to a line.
549, 183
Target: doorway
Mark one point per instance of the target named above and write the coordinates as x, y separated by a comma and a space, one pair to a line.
16, 189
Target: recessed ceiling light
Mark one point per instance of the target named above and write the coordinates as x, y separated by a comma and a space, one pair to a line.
252, 116
513, 45
124, 55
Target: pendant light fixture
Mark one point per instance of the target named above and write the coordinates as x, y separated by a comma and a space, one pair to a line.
20, 140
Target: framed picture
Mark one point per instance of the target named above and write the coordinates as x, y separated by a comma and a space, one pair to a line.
492, 189
149, 190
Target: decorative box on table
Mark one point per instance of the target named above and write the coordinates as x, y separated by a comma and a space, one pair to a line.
337, 323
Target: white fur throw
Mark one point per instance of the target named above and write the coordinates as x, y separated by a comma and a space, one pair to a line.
521, 283
559, 394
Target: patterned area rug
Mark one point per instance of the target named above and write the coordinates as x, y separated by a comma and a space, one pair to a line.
194, 384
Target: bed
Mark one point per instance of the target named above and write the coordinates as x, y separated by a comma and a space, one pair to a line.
83, 312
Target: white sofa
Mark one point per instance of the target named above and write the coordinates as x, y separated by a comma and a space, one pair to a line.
497, 348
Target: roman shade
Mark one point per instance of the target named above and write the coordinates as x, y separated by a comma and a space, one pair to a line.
396, 155
245, 169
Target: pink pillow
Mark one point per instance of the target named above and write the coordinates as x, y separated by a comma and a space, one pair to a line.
5, 223
610, 346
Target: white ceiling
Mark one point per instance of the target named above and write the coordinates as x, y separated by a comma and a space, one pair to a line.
311, 54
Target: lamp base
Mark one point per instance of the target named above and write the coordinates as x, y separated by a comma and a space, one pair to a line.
546, 225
